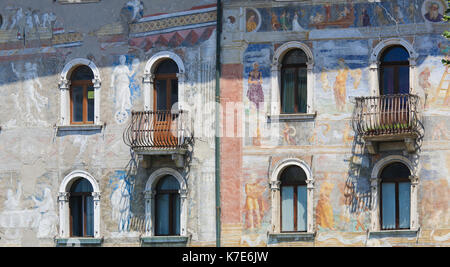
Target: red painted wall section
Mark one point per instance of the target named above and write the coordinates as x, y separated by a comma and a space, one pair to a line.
231, 147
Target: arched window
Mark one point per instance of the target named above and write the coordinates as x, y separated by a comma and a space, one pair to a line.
166, 85
395, 197
293, 200
81, 206
82, 96
394, 71
294, 73
167, 206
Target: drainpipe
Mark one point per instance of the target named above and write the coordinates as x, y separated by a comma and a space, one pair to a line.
217, 136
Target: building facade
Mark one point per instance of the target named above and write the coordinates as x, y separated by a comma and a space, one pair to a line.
343, 137
93, 152
331, 129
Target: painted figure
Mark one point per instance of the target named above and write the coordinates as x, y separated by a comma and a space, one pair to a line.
254, 204
339, 88
251, 23
47, 216
365, 18
48, 20
136, 8
284, 21
255, 92
433, 14
120, 83
32, 98
256, 95
289, 133
379, 12
324, 209
274, 22
399, 14
296, 25
12, 201
120, 202
425, 84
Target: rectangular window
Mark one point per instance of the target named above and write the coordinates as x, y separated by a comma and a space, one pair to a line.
404, 199
301, 208
89, 215
162, 214
287, 208
77, 104
388, 205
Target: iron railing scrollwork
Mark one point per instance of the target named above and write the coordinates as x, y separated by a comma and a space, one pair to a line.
387, 115
158, 130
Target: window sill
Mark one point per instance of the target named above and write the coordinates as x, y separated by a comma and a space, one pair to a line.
292, 117
165, 241
393, 233
81, 127
291, 237
79, 241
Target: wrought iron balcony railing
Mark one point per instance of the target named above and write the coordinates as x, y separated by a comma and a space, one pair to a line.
158, 130
387, 117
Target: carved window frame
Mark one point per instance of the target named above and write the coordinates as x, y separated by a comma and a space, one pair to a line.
64, 87
149, 78
63, 202
275, 186
375, 218
275, 106
375, 68
149, 196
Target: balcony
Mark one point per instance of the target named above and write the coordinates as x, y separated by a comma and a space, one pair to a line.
388, 119
158, 132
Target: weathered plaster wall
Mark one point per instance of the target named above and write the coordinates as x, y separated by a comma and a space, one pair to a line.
341, 35
37, 39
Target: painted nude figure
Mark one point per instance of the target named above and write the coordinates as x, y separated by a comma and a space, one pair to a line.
32, 98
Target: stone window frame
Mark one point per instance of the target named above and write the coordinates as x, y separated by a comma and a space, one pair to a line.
149, 196
275, 184
63, 203
149, 78
375, 181
275, 105
374, 63
64, 88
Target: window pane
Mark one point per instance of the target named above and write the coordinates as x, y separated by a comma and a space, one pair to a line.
167, 67
176, 214
89, 215
76, 213
404, 191
302, 92
388, 205
174, 93
288, 94
388, 80
301, 208
287, 208
81, 185
295, 56
168, 183
394, 171
82, 73
396, 53
162, 214
90, 100
293, 174
77, 103
403, 79
161, 95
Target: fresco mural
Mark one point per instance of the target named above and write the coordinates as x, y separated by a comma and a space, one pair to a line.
125, 86
344, 15
343, 67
